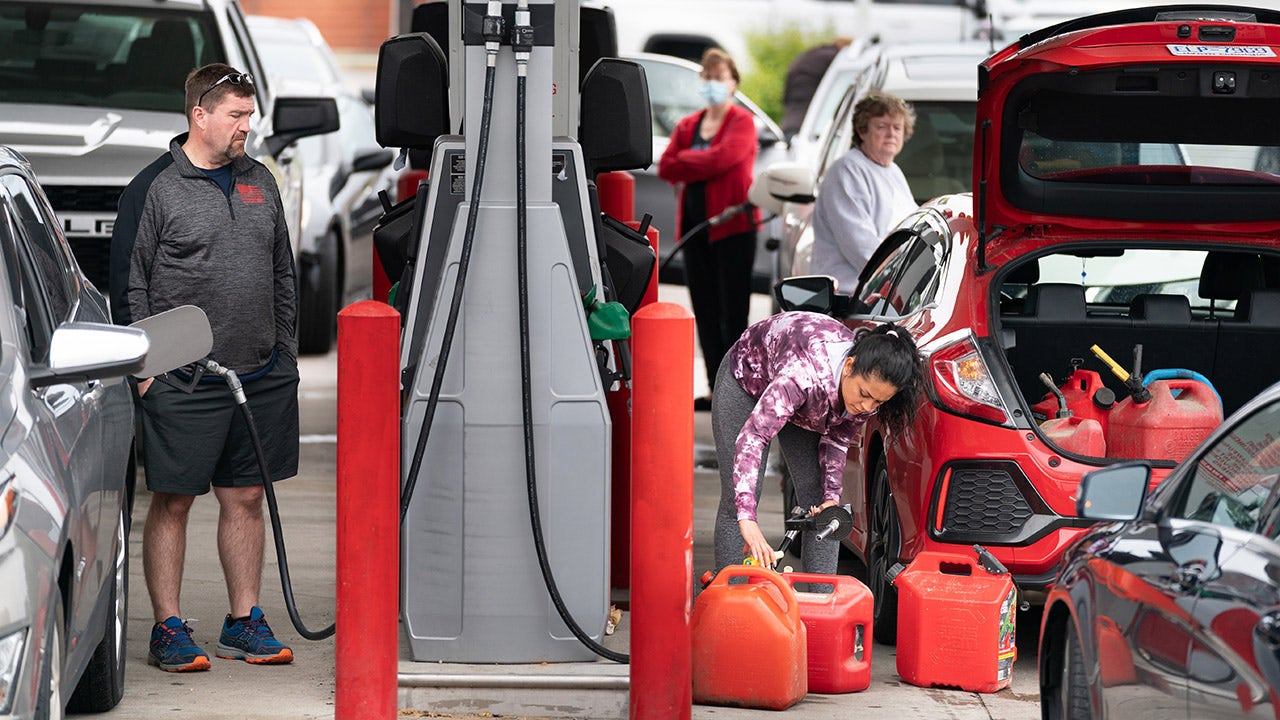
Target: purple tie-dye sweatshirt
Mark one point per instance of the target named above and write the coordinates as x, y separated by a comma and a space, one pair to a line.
790, 363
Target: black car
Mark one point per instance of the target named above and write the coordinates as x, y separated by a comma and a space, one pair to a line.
1170, 608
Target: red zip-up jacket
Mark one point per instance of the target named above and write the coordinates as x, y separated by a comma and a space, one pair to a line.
726, 167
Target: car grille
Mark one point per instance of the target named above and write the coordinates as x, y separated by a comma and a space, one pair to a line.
984, 500
989, 502
83, 198
94, 258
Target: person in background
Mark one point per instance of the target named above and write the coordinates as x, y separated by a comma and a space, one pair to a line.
803, 75
811, 382
203, 225
864, 193
710, 158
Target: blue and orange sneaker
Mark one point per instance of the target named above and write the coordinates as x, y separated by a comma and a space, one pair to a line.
252, 641
172, 648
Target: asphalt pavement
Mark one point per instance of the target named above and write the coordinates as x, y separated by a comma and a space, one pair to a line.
590, 691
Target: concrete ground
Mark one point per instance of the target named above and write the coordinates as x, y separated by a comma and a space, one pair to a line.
589, 691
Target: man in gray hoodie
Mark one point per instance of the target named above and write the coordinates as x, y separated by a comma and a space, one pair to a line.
203, 225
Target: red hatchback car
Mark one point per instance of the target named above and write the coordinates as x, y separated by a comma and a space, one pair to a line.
1127, 196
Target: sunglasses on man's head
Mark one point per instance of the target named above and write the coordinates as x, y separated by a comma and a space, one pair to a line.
235, 78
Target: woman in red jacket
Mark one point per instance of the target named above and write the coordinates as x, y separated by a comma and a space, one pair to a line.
710, 159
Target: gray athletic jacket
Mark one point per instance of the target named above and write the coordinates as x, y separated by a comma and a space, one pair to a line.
178, 240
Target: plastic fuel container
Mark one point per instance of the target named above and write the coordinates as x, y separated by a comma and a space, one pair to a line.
1075, 434
956, 623
1086, 395
749, 642
838, 625
1181, 413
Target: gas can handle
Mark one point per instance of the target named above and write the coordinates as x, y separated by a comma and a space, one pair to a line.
791, 608
837, 580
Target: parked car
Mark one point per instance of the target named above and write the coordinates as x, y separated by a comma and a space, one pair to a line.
66, 475
1171, 608
91, 92
940, 82
344, 172
673, 94
1078, 191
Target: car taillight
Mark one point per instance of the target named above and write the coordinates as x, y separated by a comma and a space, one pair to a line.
963, 385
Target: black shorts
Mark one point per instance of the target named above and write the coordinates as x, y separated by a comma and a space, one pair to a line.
191, 441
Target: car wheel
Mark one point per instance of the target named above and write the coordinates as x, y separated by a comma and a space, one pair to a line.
1071, 699
102, 685
49, 698
883, 544
317, 306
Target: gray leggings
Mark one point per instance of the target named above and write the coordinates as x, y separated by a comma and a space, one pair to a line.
730, 408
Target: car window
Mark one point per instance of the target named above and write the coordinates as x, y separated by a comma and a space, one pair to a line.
879, 294
938, 159
840, 140
921, 269
130, 58
52, 262
1233, 478
29, 303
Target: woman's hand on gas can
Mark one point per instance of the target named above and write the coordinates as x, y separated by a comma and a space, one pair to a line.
754, 543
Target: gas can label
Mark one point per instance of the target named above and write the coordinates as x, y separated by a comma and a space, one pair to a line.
1006, 651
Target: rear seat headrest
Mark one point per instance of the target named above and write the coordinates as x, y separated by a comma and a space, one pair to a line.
1056, 301
1260, 307
1164, 309
1228, 275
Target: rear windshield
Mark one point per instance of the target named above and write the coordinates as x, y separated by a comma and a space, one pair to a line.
129, 58
1156, 143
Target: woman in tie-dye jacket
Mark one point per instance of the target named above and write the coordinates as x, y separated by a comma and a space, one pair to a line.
811, 382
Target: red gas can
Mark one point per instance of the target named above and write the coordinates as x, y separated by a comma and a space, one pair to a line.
1075, 434
1168, 427
1086, 395
838, 624
956, 623
749, 642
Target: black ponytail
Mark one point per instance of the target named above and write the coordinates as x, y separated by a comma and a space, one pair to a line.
889, 353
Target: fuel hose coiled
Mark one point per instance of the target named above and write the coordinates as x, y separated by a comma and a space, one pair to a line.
492, 30
522, 43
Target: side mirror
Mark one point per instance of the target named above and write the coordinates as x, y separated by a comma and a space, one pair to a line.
811, 293
372, 159
616, 123
782, 183
293, 118
411, 101
81, 351
1113, 493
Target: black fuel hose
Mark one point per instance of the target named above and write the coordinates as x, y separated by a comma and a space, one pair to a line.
522, 44
273, 508
713, 220
464, 262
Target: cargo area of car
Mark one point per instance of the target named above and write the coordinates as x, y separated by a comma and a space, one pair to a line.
1210, 319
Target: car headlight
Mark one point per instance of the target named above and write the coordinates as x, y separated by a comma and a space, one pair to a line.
10, 657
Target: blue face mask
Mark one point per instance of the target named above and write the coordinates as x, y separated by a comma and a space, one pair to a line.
714, 91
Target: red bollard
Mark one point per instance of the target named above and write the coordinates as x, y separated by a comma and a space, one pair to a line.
368, 607
617, 193
662, 513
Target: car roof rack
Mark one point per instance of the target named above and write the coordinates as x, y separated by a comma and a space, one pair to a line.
1154, 13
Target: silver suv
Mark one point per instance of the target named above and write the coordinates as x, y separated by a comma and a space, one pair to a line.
91, 92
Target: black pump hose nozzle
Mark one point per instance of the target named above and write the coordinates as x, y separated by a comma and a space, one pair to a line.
277, 532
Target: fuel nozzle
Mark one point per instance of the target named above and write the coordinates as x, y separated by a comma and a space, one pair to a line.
1063, 410
1132, 382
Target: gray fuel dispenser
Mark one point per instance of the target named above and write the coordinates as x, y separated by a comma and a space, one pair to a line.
473, 582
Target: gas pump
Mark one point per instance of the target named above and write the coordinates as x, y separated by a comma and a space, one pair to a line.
505, 430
